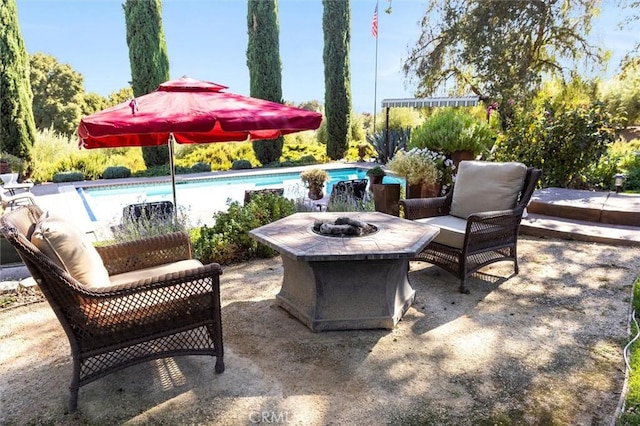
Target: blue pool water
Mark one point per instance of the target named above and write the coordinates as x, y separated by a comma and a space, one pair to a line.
200, 198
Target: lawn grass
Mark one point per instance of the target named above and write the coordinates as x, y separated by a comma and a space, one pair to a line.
631, 413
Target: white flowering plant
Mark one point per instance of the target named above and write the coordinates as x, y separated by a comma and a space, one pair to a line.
423, 166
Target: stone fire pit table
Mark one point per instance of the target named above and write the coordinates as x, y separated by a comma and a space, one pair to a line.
343, 283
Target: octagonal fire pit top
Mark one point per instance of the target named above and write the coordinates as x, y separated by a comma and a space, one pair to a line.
293, 237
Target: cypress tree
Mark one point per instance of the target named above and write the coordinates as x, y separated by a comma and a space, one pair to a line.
336, 18
148, 59
265, 67
17, 126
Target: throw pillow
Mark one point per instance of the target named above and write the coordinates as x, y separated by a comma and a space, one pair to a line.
70, 248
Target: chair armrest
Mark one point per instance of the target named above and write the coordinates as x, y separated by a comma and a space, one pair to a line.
492, 229
168, 296
145, 253
417, 208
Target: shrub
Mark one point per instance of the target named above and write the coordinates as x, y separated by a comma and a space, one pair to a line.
564, 141
16, 165
116, 172
154, 225
228, 241
452, 130
53, 153
74, 176
241, 165
200, 167
307, 160
153, 171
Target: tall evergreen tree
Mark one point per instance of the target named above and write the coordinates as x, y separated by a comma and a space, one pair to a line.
336, 19
17, 127
148, 58
265, 67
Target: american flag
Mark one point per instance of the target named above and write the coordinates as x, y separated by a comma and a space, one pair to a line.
374, 22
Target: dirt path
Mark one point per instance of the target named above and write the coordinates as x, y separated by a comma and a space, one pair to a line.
543, 347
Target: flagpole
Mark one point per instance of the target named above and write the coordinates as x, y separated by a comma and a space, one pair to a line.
375, 78
375, 89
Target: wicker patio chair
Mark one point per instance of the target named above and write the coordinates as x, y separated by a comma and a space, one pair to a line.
132, 302
9, 201
479, 219
351, 192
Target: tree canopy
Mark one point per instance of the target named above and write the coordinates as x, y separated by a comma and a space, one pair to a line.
336, 19
17, 130
148, 58
58, 94
265, 67
501, 49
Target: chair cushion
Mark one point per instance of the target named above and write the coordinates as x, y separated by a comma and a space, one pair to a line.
452, 229
70, 249
483, 186
153, 271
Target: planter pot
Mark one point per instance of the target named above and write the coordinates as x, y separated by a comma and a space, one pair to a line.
315, 193
4, 167
386, 197
375, 180
8, 254
459, 156
424, 190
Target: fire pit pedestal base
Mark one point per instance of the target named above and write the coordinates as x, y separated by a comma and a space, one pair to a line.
346, 295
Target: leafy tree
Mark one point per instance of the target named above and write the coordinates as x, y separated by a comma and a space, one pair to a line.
561, 134
93, 102
58, 94
622, 94
500, 50
336, 19
17, 129
399, 118
120, 96
148, 59
265, 68
313, 105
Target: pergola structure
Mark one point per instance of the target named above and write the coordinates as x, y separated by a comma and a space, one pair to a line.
441, 101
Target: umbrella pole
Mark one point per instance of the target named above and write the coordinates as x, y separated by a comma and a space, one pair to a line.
173, 178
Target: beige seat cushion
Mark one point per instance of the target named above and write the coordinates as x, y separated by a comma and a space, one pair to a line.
69, 247
483, 186
154, 271
452, 229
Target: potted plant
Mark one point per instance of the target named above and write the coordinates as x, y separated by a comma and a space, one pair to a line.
455, 133
420, 169
314, 180
376, 174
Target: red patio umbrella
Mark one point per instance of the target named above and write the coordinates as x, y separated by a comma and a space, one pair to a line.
191, 111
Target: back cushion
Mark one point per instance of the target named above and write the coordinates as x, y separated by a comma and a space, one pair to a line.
69, 247
483, 186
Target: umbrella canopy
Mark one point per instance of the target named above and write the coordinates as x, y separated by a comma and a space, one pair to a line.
193, 111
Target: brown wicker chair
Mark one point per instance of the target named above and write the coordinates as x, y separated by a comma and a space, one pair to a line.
483, 238
174, 312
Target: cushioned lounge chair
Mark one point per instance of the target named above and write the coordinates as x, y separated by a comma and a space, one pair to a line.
479, 219
121, 304
10, 201
349, 191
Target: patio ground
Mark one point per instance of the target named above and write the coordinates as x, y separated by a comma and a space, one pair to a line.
542, 347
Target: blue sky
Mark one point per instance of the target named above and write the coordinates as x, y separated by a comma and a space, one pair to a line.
207, 40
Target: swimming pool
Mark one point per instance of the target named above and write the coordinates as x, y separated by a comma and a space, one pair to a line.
200, 198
